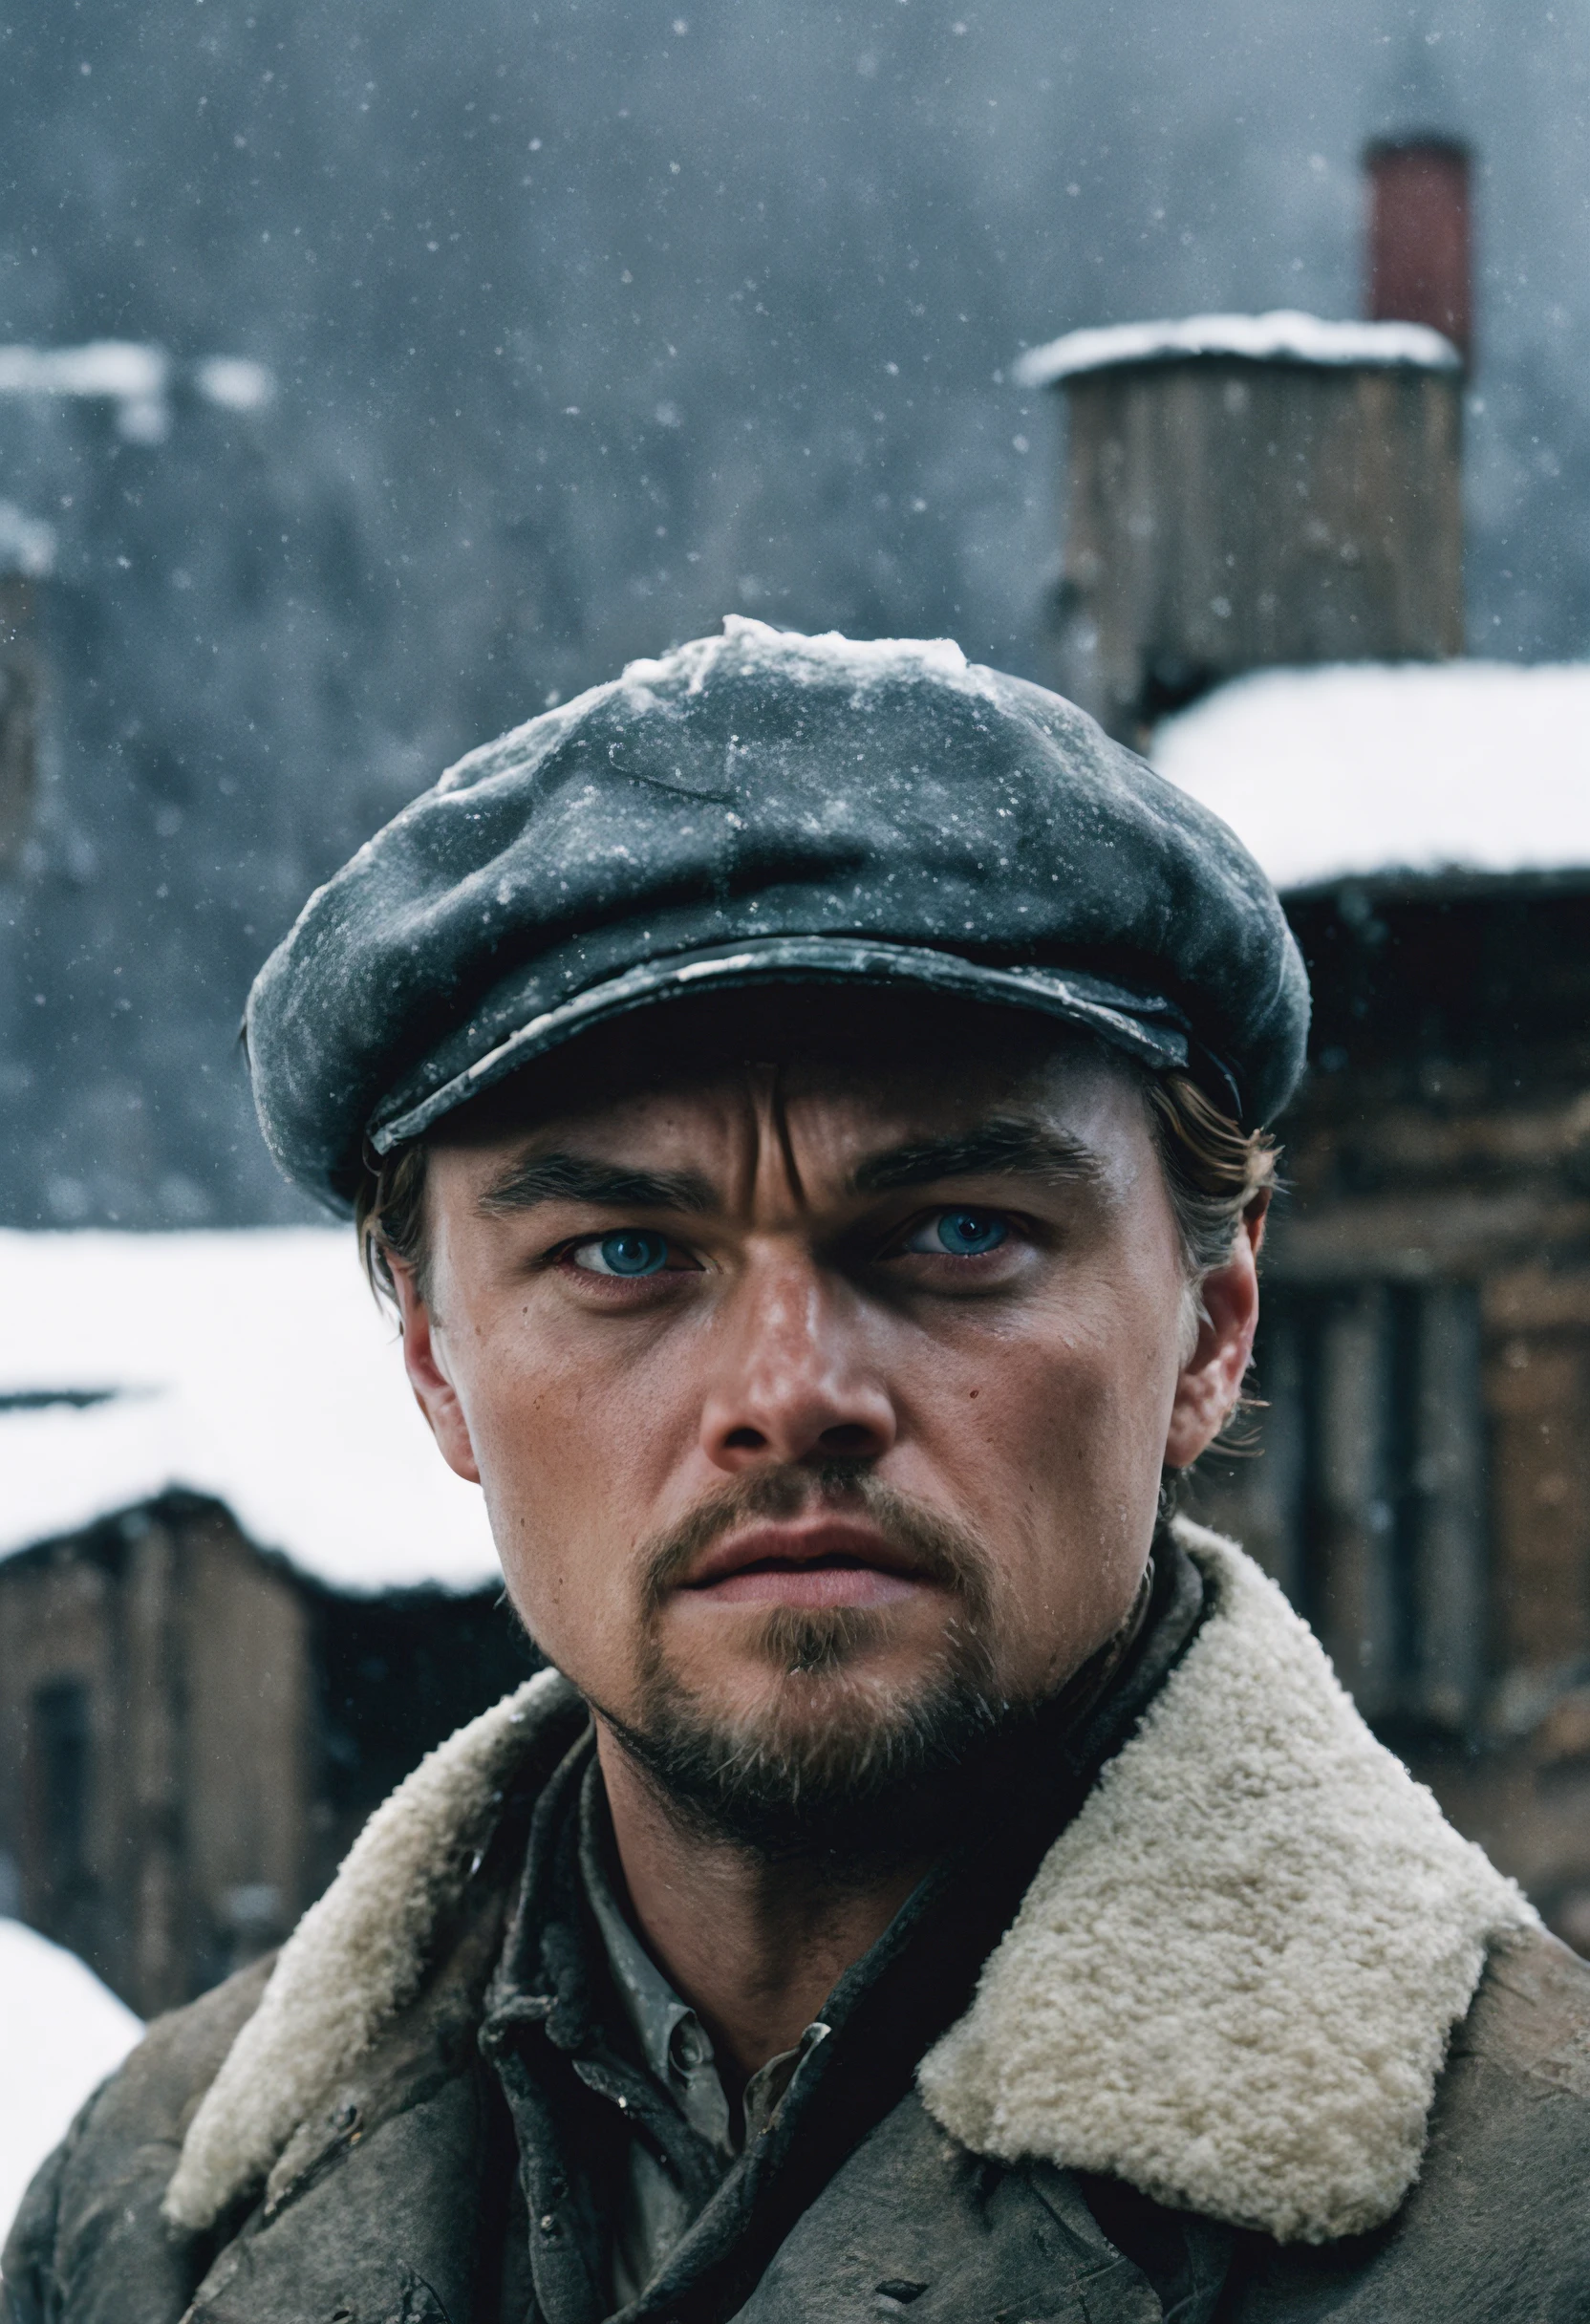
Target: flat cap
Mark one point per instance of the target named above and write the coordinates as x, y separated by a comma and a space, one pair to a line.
764, 807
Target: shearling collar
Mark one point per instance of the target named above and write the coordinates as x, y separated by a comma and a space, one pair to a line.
1231, 1982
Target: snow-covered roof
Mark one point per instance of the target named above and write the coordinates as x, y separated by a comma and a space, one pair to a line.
1283, 336
61, 2031
136, 378
251, 1366
121, 369
1372, 769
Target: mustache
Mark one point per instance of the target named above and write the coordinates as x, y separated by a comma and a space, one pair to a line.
942, 1551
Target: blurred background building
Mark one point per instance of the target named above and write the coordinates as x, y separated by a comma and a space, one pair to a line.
240, 1594
1417, 1472
360, 396
1262, 585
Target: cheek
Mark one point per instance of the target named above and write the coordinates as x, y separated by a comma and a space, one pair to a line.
1090, 1381
575, 1457
1058, 1435
1079, 1438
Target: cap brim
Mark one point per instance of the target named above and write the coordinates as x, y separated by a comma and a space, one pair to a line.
1147, 1026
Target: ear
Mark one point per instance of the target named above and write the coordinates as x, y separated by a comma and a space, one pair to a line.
426, 1361
1211, 1380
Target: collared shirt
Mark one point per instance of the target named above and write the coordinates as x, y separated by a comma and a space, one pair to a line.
675, 2045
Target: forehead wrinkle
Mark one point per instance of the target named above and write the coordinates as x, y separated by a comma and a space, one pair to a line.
778, 1102
767, 1171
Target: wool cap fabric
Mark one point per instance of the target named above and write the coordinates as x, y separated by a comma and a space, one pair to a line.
764, 807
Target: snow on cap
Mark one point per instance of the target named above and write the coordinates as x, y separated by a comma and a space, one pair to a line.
863, 660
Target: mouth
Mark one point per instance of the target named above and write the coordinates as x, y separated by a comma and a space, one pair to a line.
812, 1561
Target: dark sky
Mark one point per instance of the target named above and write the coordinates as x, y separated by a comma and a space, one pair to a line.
593, 321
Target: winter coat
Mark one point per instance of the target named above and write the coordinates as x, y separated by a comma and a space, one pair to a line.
1266, 2040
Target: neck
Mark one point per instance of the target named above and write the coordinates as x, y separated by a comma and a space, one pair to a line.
755, 1941
754, 1946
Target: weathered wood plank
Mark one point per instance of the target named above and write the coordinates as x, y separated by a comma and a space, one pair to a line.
1225, 515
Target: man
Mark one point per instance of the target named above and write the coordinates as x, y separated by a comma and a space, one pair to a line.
805, 1100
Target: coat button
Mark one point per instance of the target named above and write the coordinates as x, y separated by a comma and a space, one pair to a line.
690, 2046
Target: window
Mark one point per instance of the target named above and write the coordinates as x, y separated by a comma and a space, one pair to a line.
1374, 1440
60, 1769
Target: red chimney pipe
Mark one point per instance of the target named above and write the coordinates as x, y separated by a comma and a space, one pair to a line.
1419, 236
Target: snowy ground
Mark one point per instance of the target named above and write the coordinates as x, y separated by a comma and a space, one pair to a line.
61, 2031
1372, 768
253, 1366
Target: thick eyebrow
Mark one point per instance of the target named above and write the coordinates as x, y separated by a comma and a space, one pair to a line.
578, 1178
997, 1149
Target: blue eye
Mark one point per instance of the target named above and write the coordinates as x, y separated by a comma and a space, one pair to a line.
964, 1234
629, 1252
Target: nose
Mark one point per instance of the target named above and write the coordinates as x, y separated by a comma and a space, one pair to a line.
794, 1380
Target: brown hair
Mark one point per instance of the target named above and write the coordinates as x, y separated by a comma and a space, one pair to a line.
389, 1217
1216, 1173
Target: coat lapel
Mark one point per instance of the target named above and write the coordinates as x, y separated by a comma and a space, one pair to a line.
358, 1956
1232, 1980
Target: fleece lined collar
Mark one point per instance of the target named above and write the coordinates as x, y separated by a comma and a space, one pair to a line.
1231, 1982
356, 1958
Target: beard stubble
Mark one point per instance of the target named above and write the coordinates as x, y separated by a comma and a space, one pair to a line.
841, 1764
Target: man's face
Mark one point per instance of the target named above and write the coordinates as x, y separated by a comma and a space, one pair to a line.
809, 1399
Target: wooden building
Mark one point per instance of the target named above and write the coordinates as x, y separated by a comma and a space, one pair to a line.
193, 1732
243, 1595
1245, 492
1262, 573
1418, 1470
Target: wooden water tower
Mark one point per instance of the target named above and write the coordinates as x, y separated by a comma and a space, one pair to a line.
1248, 490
